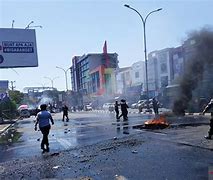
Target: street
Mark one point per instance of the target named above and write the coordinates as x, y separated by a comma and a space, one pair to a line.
94, 146
83, 128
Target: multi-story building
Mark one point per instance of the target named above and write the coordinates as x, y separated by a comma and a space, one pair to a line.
123, 80
94, 74
177, 64
138, 73
159, 70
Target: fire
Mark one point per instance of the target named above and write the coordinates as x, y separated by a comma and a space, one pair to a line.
159, 122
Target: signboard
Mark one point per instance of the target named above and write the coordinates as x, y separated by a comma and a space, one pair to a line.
18, 48
4, 84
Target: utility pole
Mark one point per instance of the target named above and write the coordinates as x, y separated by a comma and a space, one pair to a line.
12, 85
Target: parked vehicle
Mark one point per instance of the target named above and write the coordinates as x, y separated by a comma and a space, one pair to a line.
108, 106
24, 113
111, 107
33, 112
134, 106
88, 107
143, 104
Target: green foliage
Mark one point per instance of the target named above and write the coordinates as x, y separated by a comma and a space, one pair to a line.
16, 96
8, 109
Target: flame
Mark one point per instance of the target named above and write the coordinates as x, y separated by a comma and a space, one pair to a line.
157, 121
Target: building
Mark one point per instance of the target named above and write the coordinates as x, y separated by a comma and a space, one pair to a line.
93, 75
138, 74
160, 72
123, 80
177, 68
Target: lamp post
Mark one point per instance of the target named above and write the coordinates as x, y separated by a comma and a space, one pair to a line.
13, 23
27, 27
144, 35
65, 73
34, 27
51, 79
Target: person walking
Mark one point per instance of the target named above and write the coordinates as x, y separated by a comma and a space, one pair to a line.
124, 111
117, 109
43, 118
155, 105
209, 107
65, 113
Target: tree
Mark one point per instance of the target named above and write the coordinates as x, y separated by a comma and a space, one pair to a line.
16, 96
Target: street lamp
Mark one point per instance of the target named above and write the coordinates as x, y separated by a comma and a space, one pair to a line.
34, 27
65, 72
144, 34
13, 23
51, 79
27, 27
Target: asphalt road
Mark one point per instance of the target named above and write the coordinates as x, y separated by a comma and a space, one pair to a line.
83, 128
85, 148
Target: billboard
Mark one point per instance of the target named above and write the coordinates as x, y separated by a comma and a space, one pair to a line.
18, 48
4, 84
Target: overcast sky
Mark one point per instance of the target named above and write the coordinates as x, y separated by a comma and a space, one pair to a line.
77, 27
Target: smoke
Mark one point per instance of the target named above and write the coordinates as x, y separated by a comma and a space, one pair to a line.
201, 56
45, 100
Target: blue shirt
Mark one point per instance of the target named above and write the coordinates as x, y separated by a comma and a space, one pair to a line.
43, 118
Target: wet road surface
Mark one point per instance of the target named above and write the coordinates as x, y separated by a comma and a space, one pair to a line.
83, 128
134, 157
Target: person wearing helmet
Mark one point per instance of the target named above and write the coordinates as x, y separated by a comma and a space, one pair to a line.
65, 112
117, 109
43, 118
124, 111
155, 105
209, 107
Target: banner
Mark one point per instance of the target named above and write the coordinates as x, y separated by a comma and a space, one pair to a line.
18, 48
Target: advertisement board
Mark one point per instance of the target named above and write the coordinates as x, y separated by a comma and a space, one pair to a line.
18, 48
4, 84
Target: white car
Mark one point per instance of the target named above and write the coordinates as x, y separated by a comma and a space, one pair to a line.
88, 108
108, 106
134, 105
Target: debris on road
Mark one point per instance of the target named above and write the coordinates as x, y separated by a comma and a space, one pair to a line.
54, 154
56, 167
134, 152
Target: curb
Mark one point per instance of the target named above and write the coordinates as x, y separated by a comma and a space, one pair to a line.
7, 127
194, 145
188, 124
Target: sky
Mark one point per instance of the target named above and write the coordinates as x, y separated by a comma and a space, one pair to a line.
76, 27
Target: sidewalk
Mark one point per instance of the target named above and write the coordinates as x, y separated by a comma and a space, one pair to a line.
187, 130
190, 136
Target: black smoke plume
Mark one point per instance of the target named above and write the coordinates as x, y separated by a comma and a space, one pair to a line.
201, 56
